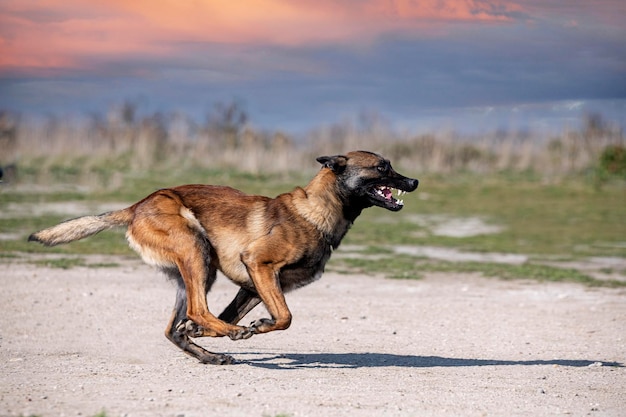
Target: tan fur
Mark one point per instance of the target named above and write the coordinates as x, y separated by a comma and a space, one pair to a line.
267, 246
319, 203
82, 227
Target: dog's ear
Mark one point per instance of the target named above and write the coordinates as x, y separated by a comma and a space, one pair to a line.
336, 163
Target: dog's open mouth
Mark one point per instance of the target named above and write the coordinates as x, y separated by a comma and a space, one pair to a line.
383, 196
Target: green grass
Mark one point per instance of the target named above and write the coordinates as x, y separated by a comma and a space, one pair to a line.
134, 187
67, 263
62, 263
569, 220
410, 267
537, 272
391, 266
111, 242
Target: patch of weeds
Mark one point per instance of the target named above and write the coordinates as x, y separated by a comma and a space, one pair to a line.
67, 263
404, 275
552, 258
398, 266
376, 250
542, 273
611, 164
410, 267
64, 172
61, 263
103, 265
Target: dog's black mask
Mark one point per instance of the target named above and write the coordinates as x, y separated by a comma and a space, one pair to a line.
369, 180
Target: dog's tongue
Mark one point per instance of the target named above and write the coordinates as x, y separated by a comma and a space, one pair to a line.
387, 193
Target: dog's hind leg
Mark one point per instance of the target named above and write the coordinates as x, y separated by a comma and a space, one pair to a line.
242, 304
179, 328
193, 271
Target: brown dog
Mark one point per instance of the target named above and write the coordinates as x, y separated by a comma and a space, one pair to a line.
267, 246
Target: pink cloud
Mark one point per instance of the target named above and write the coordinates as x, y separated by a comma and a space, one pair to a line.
49, 34
39, 36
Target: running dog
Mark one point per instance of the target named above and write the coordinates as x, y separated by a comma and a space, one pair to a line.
267, 246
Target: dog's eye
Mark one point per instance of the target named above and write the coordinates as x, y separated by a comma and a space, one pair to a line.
382, 168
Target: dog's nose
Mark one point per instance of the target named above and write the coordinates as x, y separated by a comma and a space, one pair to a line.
413, 183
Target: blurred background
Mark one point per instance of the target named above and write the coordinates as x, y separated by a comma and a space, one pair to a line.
438, 86
511, 113
96, 151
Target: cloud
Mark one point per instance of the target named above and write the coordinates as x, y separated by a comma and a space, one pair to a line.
292, 61
39, 37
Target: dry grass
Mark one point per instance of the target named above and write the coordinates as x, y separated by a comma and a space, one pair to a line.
123, 142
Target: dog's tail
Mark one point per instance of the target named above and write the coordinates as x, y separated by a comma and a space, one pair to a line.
82, 227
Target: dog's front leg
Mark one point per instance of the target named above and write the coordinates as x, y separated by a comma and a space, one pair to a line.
264, 275
274, 299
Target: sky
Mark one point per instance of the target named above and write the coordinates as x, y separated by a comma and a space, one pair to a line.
463, 65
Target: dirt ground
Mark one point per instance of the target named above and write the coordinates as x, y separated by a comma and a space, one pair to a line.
79, 341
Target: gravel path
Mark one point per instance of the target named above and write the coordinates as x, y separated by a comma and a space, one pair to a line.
77, 342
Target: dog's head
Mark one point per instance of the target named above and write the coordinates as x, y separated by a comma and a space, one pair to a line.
369, 179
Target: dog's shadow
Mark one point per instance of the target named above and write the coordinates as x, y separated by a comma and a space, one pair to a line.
375, 360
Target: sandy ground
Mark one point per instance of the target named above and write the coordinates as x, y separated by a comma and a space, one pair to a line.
79, 341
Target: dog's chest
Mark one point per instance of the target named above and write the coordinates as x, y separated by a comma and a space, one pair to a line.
307, 269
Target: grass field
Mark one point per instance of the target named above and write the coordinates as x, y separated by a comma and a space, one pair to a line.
565, 221
552, 201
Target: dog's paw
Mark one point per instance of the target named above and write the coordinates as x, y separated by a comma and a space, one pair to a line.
189, 328
240, 334
216, 359
261, 325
